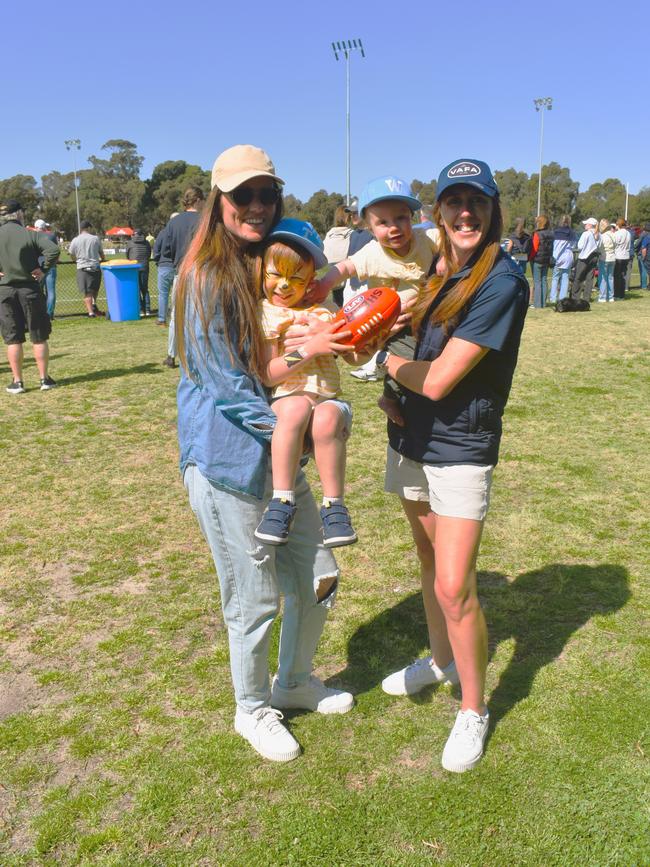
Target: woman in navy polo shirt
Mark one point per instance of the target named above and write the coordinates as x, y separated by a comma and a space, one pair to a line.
440, 460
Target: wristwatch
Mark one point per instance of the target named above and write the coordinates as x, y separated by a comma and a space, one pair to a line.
381, 360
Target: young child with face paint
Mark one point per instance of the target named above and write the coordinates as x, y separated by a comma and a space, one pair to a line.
305, 384
400, 257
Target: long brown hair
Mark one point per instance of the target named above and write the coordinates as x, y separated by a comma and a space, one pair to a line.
446, 313
218, 271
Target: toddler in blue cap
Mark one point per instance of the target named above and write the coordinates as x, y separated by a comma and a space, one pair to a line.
306, 385
400, 257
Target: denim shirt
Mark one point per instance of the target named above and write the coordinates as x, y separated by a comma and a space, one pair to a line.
224, 419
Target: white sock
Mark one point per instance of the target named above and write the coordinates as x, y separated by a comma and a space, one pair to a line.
288, 496
332, 501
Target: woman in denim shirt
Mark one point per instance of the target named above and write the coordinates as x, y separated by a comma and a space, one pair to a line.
225, 425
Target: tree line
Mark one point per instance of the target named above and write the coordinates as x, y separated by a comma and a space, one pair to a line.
111, 193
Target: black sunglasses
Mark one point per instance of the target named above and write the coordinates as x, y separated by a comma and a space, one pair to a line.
243, 196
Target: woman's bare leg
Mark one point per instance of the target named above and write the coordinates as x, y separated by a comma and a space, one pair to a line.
423, 527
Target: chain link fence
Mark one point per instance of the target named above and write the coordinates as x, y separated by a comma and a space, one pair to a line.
69, 301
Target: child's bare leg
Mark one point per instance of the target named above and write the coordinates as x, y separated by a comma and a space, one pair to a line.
293, 415
329, 436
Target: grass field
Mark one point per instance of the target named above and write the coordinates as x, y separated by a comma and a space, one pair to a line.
116, 738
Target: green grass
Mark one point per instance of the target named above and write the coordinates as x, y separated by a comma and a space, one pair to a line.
116, 738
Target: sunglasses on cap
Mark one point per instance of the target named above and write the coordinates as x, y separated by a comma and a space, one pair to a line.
244, 196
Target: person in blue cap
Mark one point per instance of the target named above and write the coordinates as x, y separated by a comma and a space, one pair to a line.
306, 385
468, 323
399, 257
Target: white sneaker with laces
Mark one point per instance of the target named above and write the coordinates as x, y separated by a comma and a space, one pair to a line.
464, 747
417, 675
313, 695
266, 734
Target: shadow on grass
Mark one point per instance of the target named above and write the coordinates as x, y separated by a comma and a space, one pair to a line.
111, 373
540, 610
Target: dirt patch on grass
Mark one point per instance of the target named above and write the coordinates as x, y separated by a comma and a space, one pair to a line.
19, 693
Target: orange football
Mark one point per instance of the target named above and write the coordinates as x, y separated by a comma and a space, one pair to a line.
368, 315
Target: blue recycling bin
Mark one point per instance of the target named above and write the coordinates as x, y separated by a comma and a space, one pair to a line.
122, 290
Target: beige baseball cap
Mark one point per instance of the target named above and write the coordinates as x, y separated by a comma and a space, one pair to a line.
241, 163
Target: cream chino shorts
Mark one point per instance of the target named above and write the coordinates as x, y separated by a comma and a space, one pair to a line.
452, 490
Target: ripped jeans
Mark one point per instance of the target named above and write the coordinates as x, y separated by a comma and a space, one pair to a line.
252, 577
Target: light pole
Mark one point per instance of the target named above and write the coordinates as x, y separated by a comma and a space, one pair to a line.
346, 47
74, 144
540, 104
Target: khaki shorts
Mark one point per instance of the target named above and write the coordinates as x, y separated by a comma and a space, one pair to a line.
452, 490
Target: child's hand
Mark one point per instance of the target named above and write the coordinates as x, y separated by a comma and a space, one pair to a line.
327, 340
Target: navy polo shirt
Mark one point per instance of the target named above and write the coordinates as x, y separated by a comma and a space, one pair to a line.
465, 426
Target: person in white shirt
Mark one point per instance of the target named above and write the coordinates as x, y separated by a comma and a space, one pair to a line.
606, 262
622, 253
587, 258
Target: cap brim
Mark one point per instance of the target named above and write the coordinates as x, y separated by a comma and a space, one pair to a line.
492, 192
236, 180
320, 259
413, 203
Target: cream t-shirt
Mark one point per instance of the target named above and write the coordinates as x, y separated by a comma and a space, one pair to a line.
319, 377
380, 266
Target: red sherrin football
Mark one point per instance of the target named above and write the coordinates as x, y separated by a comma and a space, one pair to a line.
369, 314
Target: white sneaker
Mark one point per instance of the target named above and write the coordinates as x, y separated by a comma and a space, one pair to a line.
266, 734
417, 675
313, 695
364, 375
464, 747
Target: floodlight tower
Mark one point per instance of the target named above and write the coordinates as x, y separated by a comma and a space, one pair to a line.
544, 102
74, 144
346, 47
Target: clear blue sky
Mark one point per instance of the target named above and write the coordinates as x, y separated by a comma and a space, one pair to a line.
440, 80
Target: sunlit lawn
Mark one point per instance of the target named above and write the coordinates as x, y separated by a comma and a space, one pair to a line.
116, 738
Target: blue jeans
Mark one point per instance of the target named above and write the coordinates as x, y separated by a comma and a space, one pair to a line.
561, 277
165, 280
253, 576
50, 285
171, 334
605, 280
540, 284
643, 273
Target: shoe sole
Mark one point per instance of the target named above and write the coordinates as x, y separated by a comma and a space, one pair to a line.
15, 391
325, 711
340, 541
270, 540
47, 387
461, 767
267, 754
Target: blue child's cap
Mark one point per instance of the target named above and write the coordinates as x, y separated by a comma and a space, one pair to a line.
303, 234
473, 172
384, 188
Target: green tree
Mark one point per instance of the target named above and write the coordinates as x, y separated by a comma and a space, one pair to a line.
606, 199
426, 193
58, 205
516, 200
559, 191
24, 189
292, 207
111, 191
639, 211
319, 210
163, 191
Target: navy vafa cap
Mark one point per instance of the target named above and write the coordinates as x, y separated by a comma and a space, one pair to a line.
476, 173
